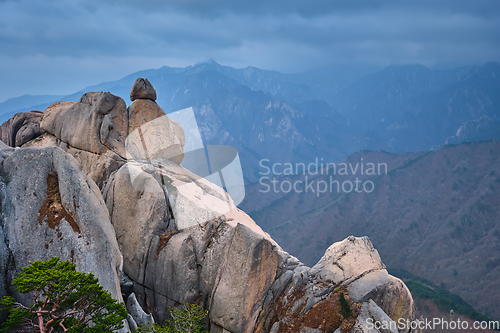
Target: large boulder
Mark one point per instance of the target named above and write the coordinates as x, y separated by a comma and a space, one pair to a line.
50, 208
21, 128
96, 123
165, 246
348, 260
93, 131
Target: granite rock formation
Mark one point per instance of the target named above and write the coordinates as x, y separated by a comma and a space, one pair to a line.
122, 206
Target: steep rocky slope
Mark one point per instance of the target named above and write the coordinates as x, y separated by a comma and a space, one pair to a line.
102, 186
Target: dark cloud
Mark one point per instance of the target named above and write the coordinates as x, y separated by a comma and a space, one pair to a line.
85, 42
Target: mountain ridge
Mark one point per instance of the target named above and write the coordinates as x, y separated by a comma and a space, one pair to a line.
399, 108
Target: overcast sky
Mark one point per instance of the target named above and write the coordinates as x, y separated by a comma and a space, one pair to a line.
61, 46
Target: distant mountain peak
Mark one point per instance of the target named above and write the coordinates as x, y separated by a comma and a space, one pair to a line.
209, 62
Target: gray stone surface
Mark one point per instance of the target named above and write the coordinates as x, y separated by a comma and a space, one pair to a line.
371, 317
97, 167
390, 293
243, 280
140, 318
172, 270
52, 209
306, 298
96, 123
138, 210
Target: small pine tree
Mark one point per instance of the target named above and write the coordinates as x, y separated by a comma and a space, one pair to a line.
345, 310
63, 300
187, 320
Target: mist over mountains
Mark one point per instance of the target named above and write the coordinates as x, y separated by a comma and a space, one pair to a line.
327, 112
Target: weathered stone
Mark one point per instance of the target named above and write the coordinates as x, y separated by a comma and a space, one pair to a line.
98, 167
214, 328
138, 210
52, 112
126, 285
369, 314
172, 269
131, 323
5, 258
182, 238
142, 89
244, 278
388, 292
139, 316
218, 240
348, 259
96, 123
308, 299
21, 128
52, 209
195, 200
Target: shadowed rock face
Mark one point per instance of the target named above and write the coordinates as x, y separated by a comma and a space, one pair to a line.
142, 89
21, 128
181, 237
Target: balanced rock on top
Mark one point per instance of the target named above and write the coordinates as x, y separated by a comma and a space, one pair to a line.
142, 89
152, 134
143, 108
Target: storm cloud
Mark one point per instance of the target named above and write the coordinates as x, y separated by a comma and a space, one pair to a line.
58, 47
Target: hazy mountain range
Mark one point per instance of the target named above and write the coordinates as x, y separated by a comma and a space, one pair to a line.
328, 112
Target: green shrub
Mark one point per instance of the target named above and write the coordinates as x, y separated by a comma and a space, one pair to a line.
63, 300
186, 320
344, 305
